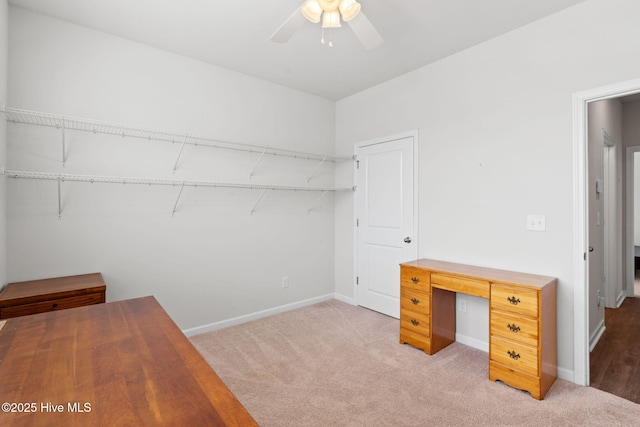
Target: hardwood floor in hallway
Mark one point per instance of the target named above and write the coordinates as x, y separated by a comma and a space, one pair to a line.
615, 361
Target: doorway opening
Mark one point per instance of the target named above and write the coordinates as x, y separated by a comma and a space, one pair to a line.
633, 219
582, 300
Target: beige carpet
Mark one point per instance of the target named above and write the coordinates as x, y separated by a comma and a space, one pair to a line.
332, 364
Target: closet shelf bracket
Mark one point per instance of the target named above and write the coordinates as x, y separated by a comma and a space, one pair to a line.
316, 202
253, 209
175, 165
312, 175
257, 163
64, 148
175, 206
59, 201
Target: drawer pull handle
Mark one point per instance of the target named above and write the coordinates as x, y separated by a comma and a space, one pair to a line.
513, 355
513, 328
415, 279
54, 305
415, 301
514, 300
415, 322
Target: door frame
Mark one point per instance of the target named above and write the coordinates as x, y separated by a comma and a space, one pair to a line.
580, 213
630, 223
381, 140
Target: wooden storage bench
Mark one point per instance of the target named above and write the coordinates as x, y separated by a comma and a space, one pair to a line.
40, 296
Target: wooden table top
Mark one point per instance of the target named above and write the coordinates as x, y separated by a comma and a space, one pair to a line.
485, 273
123, 363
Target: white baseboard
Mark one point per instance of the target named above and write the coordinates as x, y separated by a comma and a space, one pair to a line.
567, 375
345, 299
595, 337
257, 315
620, 299
472, 342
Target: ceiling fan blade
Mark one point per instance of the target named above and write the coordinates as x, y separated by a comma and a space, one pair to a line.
289, 27
365, 31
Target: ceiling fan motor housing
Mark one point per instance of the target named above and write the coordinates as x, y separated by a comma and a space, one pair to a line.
313, 10
329, 4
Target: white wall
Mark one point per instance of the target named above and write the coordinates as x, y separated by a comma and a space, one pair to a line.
213, 260
495, 125
4, 34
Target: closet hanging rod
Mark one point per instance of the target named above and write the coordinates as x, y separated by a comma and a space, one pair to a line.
16, 115
152, 181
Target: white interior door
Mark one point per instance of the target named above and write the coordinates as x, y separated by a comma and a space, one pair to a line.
386, 229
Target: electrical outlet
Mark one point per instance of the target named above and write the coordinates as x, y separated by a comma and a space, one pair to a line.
285, 281
462, 305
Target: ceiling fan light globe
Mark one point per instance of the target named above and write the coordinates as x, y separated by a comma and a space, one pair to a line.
312, 11
331, 19
349, 9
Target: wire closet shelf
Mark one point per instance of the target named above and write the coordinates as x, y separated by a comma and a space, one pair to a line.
64, 123
155, 181
39, 118
60, 178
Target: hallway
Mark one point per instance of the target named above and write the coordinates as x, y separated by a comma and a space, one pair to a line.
615, 361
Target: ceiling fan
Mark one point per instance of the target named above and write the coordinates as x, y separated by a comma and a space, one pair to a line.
331, 11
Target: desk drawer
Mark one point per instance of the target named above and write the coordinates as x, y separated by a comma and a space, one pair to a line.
517, 356
415, 278
415, 322
479, 288
515, 328
416, 301
51, 305
515, 300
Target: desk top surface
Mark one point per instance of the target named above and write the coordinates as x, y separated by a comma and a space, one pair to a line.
126, 362
484, 273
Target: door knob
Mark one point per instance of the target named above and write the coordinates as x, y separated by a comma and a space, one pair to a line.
407, 239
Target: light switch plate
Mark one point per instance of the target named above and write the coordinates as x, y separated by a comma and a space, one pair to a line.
536, 223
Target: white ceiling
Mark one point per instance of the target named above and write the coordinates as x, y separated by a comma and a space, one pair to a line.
234, 34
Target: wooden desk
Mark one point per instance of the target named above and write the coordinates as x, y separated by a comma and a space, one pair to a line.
123, 363
522, 317
59, 293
